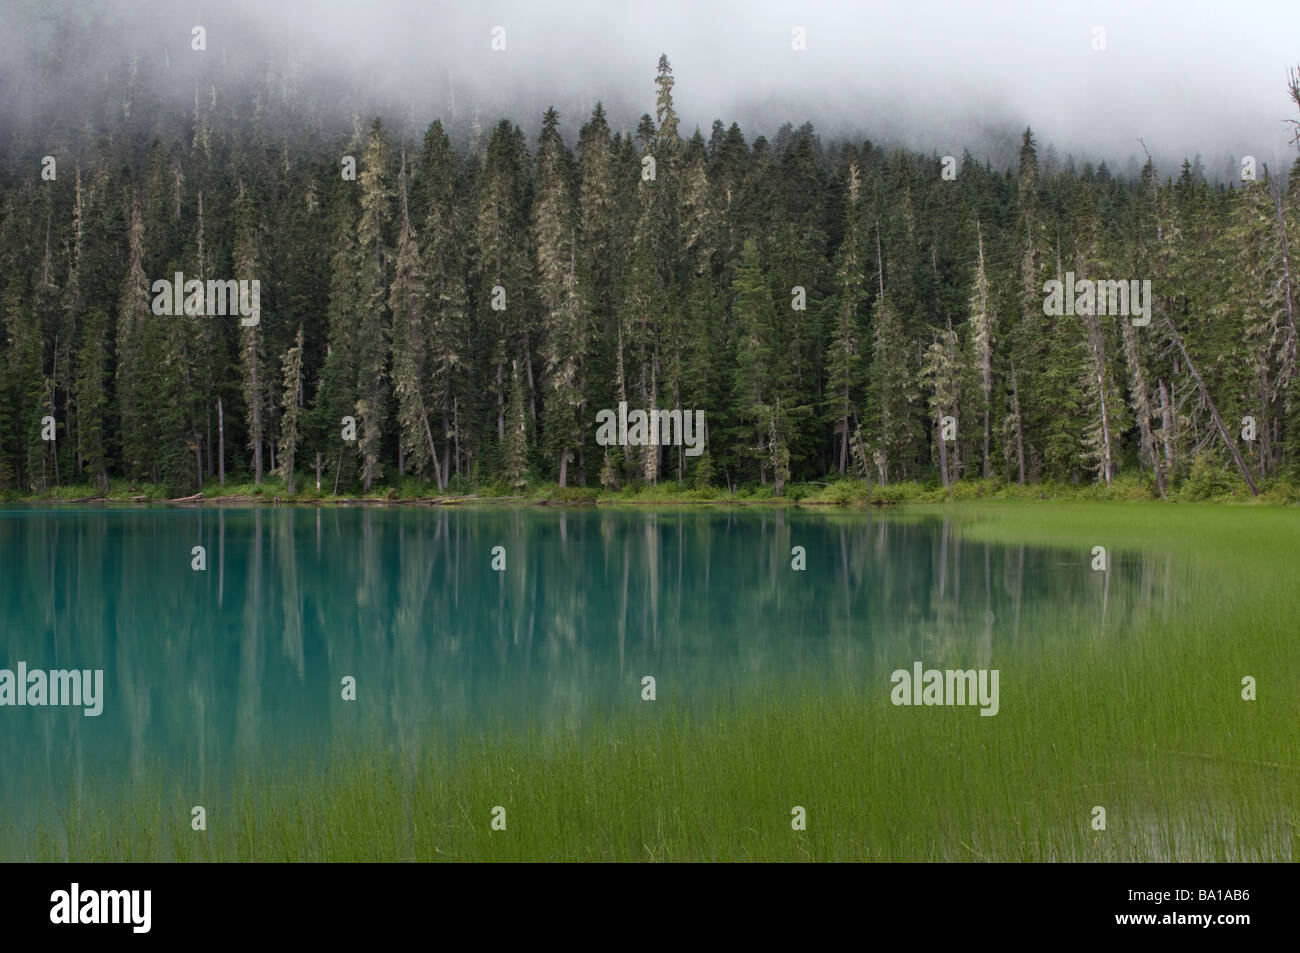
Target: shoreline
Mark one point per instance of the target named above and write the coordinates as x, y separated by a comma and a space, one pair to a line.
450, 501
848, 493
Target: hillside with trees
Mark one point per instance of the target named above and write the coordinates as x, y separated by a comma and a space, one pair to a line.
472, 302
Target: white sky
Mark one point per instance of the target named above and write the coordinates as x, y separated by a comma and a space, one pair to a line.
1186, 75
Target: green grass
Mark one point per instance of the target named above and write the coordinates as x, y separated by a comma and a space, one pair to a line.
1206, 484
1150, 726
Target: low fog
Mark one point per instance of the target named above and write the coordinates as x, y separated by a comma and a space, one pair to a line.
1188, 78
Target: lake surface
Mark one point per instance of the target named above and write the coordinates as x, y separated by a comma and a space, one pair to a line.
241, 664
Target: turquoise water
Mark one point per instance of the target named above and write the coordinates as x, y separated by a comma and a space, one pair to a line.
241, 664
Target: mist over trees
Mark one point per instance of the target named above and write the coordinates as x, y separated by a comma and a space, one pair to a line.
835, 308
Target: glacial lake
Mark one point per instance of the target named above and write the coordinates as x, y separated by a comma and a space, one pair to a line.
241, 663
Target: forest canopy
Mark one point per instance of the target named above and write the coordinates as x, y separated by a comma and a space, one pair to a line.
461, 313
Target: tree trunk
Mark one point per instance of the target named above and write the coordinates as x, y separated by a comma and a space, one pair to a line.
257, 423
862, 451
455, 429
1167, 428
844, 437
943, 452
1214, 411
433, 453
1142, 406
1099, 363
1290, 360
1105, 428
501, 403
1262, 431
532, 390
1020, 435
957, 452
987, 429
221, 444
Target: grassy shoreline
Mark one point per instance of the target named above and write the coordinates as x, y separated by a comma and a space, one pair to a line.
1152, 727
841, 492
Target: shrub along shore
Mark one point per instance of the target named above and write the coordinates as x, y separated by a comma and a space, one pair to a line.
1215, 487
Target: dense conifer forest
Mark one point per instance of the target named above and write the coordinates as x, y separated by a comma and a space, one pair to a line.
472, 299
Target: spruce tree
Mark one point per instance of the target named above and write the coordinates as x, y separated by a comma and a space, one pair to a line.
90, 391
373, 331
133, 335
564, 312
408, 301
447, 342
844, 359
251, 343
291, 404
516, 444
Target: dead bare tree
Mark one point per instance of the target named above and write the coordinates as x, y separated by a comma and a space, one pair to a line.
1293, 89
1214, 411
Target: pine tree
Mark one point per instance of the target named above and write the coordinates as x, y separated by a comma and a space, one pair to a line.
982, 323
640, 301
754, 318
90, 391
941, 374
336, 388
501, 228
133, 335
891, 393
1144, 239
408, 299
597, 260
26, 374
564, 313
46, 315
291, 403
373, 332
447, 343
843, 358
516, 445
1097, 380
251, 345
1029, 336
1259, 304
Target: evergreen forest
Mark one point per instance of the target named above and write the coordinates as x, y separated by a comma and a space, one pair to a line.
455, 306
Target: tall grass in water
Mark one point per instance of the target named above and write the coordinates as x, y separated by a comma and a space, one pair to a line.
1151, 726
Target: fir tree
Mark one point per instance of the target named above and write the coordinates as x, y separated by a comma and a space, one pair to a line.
373, 331
90, 391
408, 301
516, 445
447, 343
844, 357
251, 345
563, 310
291, 403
